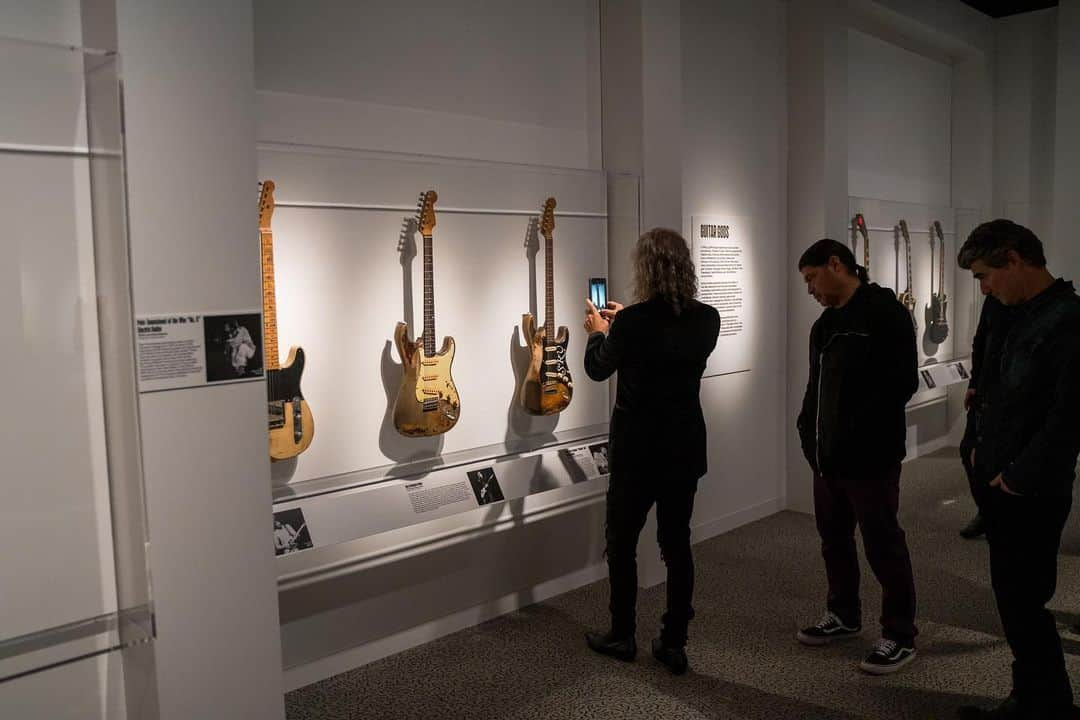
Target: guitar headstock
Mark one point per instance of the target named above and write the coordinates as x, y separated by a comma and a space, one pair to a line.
266, 204
547, 222
937, 229
427, 213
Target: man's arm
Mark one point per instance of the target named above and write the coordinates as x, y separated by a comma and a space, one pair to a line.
1057, 442
898, 356
603, 353
806, 422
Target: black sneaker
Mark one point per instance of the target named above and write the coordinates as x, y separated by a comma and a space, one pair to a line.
620, 648
975, 527
829, 629
888, 656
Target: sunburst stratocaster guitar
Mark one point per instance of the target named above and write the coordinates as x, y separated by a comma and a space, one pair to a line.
908, 296
547, 388
939, 303
427, 401
292, 427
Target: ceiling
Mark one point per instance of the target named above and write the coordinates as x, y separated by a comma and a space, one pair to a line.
1002, 8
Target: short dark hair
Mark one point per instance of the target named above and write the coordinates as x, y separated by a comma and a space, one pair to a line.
819, 253
992, 241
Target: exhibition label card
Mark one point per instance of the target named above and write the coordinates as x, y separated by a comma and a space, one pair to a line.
720, 246
184, 350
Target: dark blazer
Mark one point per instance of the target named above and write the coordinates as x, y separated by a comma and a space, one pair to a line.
657, 427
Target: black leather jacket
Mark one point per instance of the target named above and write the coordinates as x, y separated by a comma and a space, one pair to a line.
863, 370
1028, 414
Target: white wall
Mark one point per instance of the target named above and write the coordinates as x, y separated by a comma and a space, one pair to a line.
190, 120
1064, 251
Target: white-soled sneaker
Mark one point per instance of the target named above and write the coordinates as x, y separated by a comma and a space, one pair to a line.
888, 656
829, 629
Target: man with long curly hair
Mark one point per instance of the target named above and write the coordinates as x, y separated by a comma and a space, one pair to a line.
657, 451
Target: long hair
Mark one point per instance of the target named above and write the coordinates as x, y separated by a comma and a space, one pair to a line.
663, 269
819, 253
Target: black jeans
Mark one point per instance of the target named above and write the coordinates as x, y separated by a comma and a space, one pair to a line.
871, 501
628, 504
1024, 535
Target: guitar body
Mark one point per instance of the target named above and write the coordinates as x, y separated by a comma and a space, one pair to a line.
292, 427
939, 325
908, 301
427, 401
547, 388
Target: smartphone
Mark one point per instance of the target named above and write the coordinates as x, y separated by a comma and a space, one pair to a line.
598, 292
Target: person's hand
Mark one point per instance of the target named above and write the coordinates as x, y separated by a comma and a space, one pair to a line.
609, 311
999, 482
593, 321
967, 398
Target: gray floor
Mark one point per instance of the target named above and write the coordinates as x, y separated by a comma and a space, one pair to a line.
756, 585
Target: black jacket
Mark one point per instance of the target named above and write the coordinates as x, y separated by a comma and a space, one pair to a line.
1028, 426
863, 370
995, 321
657, 427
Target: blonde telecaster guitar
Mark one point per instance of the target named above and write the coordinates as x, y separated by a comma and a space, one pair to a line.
427, 400
291, 425
547, 388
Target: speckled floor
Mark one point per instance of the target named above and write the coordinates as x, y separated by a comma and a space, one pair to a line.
755, 587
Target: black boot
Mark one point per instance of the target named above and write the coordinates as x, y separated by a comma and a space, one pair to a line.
674, 658
620, 648
975, 527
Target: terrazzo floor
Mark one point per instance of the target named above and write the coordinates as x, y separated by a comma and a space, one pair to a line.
755, 587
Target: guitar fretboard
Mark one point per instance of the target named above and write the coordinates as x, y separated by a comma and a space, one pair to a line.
429, 299
270, 339
549, 288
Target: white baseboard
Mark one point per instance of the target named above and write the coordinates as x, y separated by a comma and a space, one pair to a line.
301, 675
727, 523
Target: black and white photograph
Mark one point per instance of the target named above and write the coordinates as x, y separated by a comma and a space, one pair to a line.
928, 378
485, 485
233, 347
599, 454
291, 532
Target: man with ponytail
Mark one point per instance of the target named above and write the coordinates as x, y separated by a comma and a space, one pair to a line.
863, 370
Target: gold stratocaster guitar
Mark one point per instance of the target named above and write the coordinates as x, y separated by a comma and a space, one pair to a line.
292, 427
547, 388
427, 401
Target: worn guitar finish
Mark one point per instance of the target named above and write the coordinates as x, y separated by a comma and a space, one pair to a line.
939, 303
858, 224
547, 388
291, 425
427, 401
908, 297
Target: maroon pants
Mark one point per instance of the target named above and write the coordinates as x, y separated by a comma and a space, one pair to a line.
870, 500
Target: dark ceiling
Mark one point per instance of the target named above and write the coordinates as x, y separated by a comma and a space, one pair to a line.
1001, 8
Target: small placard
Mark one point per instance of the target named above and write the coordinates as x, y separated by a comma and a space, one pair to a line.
184, 350
485, 485
942, 374
428, 498
722, 257
291, 533
591, 460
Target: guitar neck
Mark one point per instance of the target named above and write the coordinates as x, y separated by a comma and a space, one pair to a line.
270, 339
941, 278
429, 299
549, 288
907, 252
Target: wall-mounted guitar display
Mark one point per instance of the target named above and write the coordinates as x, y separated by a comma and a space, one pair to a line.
547, 388
427, 400
939, 324
908, 296
292, 427
858, 224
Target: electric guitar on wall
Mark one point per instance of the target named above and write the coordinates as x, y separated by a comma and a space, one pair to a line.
908, 297
547, 388
859, 223
939, 323
292, 427
427, 401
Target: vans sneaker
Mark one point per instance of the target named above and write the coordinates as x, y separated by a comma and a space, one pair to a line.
888, 656
829, 629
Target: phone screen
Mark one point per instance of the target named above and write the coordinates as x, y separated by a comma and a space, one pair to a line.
598, 292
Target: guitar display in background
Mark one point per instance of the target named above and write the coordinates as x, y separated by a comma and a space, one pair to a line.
547, 388
292, 427
939, 324
427, 400
908, 296
858, 223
